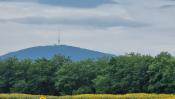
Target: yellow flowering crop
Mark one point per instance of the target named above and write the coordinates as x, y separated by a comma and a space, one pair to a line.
90, 96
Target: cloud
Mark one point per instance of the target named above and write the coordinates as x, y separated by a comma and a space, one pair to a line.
99, 17
77, 3
167, 6
18, 0
68, 3
98, 22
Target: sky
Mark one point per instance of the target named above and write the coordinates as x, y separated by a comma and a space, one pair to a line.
111, 26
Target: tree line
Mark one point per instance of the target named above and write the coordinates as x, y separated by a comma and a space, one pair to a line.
130, 73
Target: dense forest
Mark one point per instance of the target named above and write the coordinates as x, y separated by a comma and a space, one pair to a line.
130, 73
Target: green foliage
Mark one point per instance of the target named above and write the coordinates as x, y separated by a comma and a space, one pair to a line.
7, 73
83, 90
73, 76
162, 74
103, 84
60, 76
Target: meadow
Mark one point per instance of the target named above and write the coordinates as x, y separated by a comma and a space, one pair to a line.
91, 96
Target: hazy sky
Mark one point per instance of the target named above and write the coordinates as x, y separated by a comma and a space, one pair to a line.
112, 26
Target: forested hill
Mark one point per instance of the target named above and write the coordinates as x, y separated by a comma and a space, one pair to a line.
74, 53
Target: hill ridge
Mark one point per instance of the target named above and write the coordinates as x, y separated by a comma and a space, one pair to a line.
75, 53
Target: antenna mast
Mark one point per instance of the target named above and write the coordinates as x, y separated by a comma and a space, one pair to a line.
59, 38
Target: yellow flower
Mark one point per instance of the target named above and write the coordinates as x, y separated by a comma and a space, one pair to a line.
42, 97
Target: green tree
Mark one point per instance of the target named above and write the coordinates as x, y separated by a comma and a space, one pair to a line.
7, 72
127, 73
40, 77
162, 74
76, 77
21, 77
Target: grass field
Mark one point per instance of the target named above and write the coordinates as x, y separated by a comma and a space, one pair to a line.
91, 96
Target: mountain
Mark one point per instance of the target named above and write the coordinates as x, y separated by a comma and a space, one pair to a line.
74, 53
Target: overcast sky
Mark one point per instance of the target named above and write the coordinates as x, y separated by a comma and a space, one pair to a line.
111, 26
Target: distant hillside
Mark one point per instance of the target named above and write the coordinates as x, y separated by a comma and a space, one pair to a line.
74, 53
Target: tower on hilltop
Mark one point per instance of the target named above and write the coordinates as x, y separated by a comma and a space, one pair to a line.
59, 38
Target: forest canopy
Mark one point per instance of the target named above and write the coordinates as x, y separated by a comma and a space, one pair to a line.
130, 73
